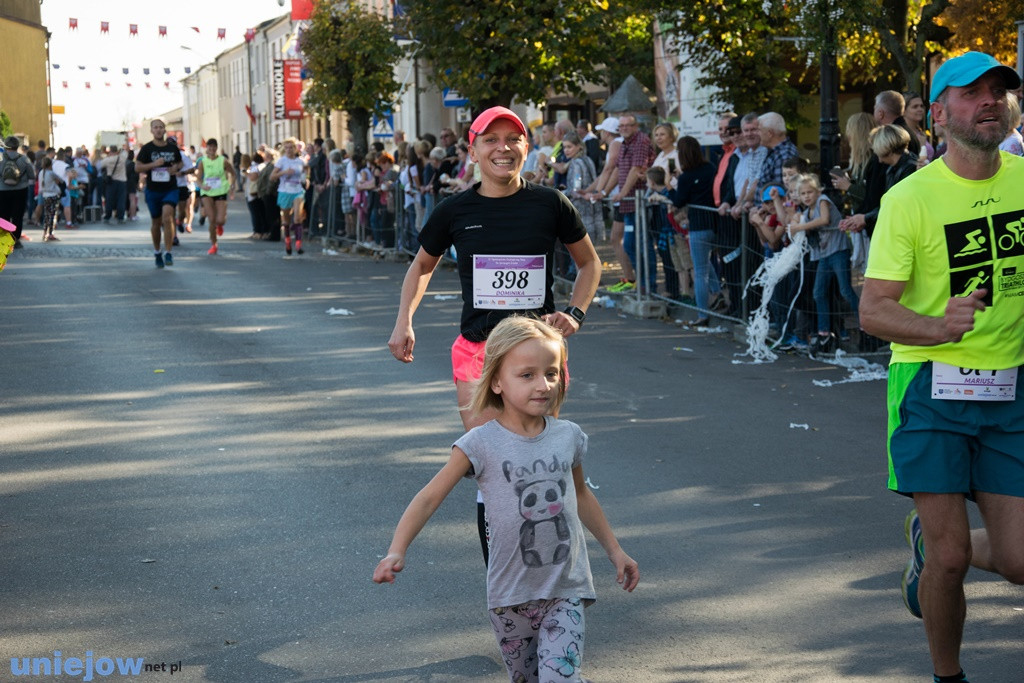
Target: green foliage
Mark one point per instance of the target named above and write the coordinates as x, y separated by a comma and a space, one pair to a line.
5, 124
501, 50
351, 56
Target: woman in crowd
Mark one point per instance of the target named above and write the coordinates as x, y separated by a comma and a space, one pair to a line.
664, 139
694, 185
252, 168
1014, 143
914, 114
365, 184
581, 174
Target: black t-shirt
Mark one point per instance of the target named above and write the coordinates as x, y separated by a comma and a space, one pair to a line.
149, 153
527, 223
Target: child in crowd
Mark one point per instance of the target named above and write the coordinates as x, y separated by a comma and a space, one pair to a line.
659, 228
529, 468
831, 252
50, 194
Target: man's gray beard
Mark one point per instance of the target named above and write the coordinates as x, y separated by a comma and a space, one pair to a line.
968, 136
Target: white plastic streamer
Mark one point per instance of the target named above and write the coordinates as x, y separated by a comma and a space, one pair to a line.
767, 276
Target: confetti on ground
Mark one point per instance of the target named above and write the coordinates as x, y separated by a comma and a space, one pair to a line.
330, 252
592, 484
860, 370
444, 297
157, 371
681, 348
339, 311
794, 425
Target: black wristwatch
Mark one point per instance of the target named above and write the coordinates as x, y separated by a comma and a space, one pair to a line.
576, 313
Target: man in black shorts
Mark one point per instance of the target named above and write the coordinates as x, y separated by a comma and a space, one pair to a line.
160, 160
504, 230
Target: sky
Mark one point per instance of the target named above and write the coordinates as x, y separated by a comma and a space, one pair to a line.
88, 111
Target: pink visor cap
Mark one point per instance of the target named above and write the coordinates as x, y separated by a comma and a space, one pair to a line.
489, 116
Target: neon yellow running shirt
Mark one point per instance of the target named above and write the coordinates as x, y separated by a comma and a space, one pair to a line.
215, 180
945, 236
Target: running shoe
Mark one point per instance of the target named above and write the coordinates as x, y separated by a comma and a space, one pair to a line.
912, 574
51, 238
793, 342
181, 228
719, 304
220, 231
622, 286
202, 220
159, 260
212, 250
175, 243
168, 259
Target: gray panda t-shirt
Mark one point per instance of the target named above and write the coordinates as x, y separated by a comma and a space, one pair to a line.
537, 547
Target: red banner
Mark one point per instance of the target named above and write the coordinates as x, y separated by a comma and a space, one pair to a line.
72, 24
302, 9
104, 27
287, 89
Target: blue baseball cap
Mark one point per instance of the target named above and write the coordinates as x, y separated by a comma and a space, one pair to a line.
767, 195
966, 69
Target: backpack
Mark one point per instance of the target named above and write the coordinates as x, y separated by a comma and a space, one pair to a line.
9, 170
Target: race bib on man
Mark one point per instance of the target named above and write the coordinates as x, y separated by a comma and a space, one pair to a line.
964, 384
213, 183
160, 175
509, 282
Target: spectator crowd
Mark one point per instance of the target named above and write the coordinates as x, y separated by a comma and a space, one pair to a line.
701, 208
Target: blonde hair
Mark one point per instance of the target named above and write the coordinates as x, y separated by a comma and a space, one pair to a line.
1013, 104
508, 334
889, 139
809, 179
858, 134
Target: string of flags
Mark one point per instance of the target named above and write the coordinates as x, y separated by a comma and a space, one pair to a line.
127, 70
133, 30
107, 84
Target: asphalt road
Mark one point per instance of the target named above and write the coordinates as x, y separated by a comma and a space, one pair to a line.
200, 466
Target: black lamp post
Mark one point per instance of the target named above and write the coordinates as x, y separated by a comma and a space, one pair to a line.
829, 123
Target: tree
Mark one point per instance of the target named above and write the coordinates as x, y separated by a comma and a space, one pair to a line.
984, 25
5, 124
351, 55
504, 50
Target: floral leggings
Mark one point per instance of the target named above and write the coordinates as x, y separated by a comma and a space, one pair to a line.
541, 641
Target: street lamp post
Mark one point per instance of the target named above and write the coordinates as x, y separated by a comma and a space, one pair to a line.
829, 123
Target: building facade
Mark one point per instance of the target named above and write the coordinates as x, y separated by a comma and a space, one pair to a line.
24, 67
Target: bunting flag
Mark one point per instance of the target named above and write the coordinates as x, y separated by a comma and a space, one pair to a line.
133, 29
188, 69
250, 33
104, 27
167, 85
162, 31
56, 66
107, 83
167, 70
124, 70
194, 28
65, 84
88, 85
128, 84
72, 24
145, 71
103, 69
222, 33
81, 68
147, 84
302, 9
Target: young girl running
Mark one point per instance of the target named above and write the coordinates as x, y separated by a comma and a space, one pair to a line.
216, 178
529, 468
291, 170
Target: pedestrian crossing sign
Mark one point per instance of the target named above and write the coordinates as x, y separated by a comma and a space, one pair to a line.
384, 126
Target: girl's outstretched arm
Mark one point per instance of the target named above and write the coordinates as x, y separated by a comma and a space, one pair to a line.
627, 572
418, 512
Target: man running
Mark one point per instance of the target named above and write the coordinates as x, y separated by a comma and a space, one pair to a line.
216, 179
160, 161
504, 230
942, 284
